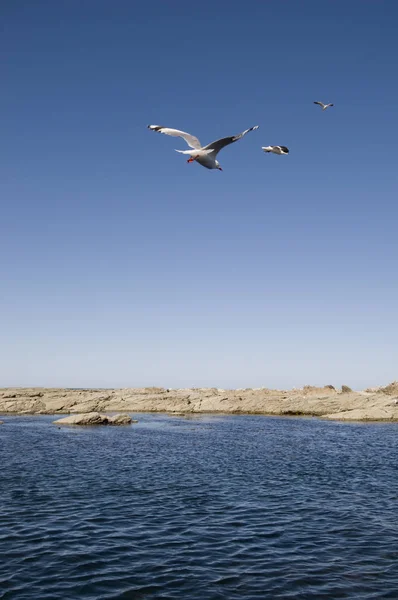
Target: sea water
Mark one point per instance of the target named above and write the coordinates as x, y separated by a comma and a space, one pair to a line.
209, 507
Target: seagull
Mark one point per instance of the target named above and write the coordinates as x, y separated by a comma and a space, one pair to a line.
276, 149
204, 155
323, 106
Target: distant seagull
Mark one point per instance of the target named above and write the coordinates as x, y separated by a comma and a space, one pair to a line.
276, 149
323, 106
204, 155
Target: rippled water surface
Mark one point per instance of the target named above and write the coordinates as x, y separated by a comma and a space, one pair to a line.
202, 508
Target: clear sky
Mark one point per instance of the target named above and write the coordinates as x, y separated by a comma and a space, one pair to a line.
122, 265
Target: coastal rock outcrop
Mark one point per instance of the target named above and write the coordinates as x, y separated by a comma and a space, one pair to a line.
95, 418
377, 404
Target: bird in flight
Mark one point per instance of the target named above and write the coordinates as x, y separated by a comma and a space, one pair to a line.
276, 149
204, 155
323, 106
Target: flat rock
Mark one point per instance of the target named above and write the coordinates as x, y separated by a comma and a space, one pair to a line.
372, 413
95, 418
121, 420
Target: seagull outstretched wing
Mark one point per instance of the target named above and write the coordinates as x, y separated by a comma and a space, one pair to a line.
191, 140
218, 145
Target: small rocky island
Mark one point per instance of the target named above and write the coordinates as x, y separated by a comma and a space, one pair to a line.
95, 418
372, 404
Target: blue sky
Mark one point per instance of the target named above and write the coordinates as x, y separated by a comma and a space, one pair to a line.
122, 265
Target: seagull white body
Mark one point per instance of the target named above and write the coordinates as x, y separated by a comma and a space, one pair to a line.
204, 155
323, 106
276, 149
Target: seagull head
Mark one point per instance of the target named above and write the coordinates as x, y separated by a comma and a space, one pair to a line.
218, 165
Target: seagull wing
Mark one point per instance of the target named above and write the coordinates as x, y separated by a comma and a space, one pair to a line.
220, 144
191, 140
320, 104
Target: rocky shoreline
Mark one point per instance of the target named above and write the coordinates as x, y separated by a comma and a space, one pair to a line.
373, 404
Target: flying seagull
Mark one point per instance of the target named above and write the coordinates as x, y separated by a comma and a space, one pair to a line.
204, 155
323, 106
276, 149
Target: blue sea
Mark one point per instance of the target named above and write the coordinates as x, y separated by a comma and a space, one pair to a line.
206, 508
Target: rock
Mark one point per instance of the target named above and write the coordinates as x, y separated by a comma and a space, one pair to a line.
346, 389
121, 420
378, 403
372, 413
311, 390
92, 418
1, 422
391, 389
95, 418
58, 405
